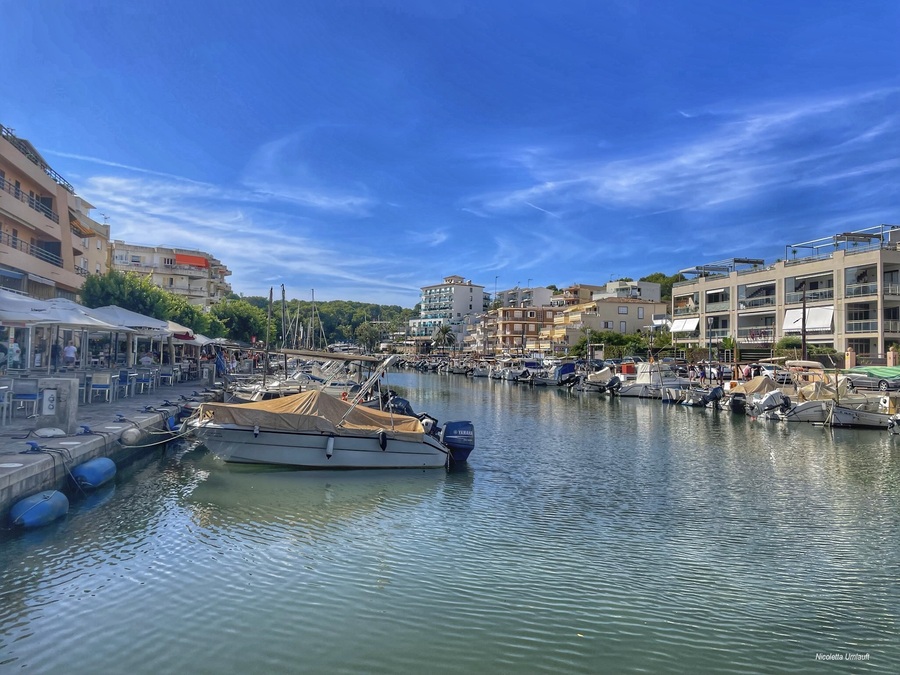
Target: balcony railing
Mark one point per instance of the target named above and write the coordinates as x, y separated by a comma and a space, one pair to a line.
892, 289
869, 326
892, 326
796, 297
718, 333
858, 290
756, 334
756, 303
82, 271
686, 310
37, 205
718, 306
21, 245
23, 148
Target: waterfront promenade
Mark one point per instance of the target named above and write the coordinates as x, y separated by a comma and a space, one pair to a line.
24, 470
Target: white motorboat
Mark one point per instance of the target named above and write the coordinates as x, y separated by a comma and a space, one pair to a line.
313, 430
650, 380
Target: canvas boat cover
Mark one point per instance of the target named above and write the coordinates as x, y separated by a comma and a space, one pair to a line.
313, 411
758, 385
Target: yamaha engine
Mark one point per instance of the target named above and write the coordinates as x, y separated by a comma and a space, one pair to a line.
459, 437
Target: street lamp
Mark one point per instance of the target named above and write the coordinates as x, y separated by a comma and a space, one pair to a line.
709, 325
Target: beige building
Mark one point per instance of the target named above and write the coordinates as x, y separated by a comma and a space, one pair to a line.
576, 294
196, 275
626, 315
48, 241
840, 292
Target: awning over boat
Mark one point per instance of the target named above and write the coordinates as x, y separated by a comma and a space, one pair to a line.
688, 325
818, 319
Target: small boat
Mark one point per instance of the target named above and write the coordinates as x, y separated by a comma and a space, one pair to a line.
93, 473
313, 430
843, 416
39, 509
558, 376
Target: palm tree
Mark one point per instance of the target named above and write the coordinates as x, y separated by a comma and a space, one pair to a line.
444, 336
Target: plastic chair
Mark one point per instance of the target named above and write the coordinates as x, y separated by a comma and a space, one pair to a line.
82, 385
166, 376
25, 389
145, 380
102, 382
5, 399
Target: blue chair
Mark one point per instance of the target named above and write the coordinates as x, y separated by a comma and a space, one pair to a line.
145, 380
166, 376
122, 384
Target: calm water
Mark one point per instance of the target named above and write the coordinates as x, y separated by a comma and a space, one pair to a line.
587, 535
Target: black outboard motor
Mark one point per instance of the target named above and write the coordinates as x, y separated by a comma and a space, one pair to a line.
400, 406
460, 438
738, 403
614, 384
714, 395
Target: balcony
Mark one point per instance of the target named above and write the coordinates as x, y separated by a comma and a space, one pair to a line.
892, 289
21, 196
756, 334
859, 290
796, 297
21, 245
718, 306
718, 333
687, 310
23, 148
868, 326
757, 303
892, 326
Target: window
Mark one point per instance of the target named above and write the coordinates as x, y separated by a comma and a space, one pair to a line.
517, 314
532, 328
99, 244
530, 315
169, 261
171, 281
640, 312
622, 328
623, 309
135, 260
97, 270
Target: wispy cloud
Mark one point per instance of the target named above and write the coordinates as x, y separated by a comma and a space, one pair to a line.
742, 155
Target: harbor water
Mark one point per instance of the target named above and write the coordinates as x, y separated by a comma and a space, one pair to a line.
587, 535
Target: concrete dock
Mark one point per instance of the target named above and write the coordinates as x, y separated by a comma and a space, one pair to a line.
25, 470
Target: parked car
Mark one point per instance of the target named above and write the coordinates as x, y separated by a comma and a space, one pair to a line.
868, 380
772, 371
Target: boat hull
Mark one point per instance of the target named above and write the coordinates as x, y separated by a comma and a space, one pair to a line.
315, 450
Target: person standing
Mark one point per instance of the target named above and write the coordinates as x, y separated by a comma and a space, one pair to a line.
55, 354
69, 354
13, 354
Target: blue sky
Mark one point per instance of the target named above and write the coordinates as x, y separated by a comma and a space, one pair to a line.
365, 149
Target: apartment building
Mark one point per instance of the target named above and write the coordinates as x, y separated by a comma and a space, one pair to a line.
840, 292
454, 302
576, 294
48, 241
523, 297
516, 329
197, 276
626, 315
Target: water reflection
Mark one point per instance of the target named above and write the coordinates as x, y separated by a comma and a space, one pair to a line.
585, 531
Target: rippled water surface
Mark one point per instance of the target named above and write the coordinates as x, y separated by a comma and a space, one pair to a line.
586, 535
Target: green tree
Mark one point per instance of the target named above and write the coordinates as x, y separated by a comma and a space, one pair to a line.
665, 283
243, 320
127, 290
444, 337
368, 335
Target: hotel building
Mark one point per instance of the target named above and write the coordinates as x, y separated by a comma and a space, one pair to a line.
454, 302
